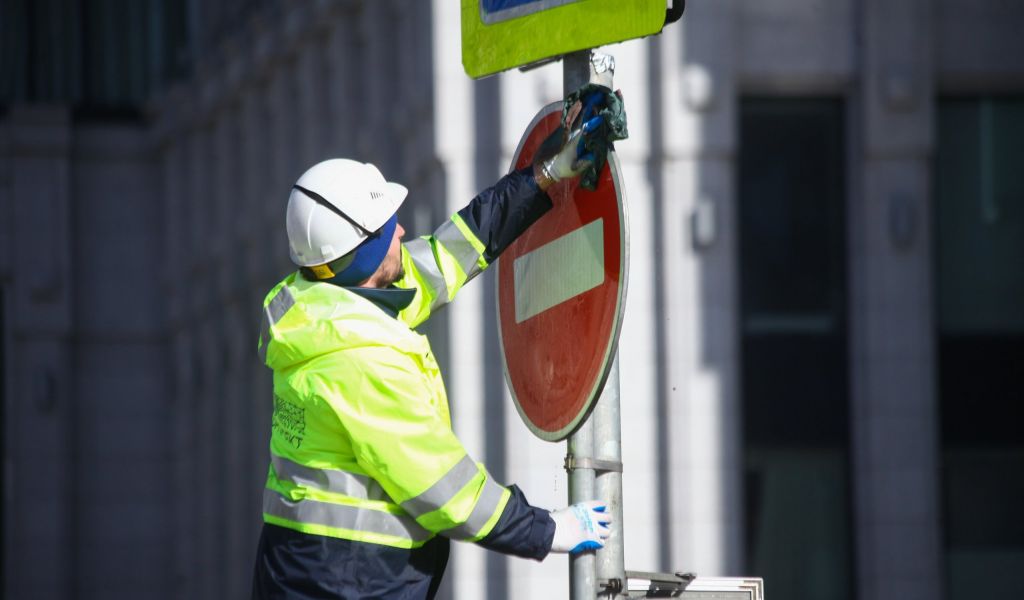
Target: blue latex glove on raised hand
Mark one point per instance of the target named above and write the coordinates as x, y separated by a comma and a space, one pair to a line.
582, 526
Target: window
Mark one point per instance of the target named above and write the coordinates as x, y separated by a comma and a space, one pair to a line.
791, 198
3, 441
99, 57
979, 278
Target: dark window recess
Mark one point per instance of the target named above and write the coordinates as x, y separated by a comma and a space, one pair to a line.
3, 442
979, 279
103, 59
981, 385
794, 361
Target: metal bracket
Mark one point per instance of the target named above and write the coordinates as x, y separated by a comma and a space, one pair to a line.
540, 63
594, 464
612, 586
662, 585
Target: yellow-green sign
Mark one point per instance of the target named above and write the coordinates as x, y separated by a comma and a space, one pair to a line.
504, 34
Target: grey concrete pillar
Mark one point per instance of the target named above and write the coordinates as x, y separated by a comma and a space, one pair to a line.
454, 148
894, 422
282, 169
342, 71
120, 369
258, 202
264, 235
6, 207
700, 372
315, 116
174, 165
39, 475
230, 404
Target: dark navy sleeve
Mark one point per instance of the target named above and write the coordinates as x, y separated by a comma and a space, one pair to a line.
522, 530
499, 214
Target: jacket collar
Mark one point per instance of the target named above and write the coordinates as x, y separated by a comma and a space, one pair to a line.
391, 300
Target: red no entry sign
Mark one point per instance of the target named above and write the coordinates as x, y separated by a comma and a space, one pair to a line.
561, 290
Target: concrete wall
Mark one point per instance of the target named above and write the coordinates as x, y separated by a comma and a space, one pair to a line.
85, 404
38, 425
894, 404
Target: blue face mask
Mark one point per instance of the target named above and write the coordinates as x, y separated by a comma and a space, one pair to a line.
368, 255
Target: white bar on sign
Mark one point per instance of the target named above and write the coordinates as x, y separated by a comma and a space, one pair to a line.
559, 270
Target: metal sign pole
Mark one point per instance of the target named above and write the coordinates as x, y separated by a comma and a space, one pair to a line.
611, 563
595, 470
582, 566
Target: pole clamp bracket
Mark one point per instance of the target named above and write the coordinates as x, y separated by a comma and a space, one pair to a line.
611, 586
594, 464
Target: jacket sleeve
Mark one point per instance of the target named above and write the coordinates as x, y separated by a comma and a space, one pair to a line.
403, 439
439, 265
522, 530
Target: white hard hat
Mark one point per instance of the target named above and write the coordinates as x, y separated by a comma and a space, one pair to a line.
335, 206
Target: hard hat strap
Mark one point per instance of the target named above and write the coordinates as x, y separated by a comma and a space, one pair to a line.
323, 201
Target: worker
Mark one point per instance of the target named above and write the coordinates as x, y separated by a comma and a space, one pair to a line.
367, 481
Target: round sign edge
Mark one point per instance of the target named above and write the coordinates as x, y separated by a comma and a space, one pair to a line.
611, 349
541, 433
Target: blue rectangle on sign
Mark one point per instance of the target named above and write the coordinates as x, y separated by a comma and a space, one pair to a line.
496, 5
494, 11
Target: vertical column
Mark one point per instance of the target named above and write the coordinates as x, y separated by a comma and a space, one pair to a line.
282, 169
638, 353
40, 461
696, 110
453, 102
413, 125
175, 259
239, 524
203, 351
7, 226
341, 80
894, 400
378, 81
6, 260
120, 367
316, 119
259, 192
6, 208
488, 168
234, 560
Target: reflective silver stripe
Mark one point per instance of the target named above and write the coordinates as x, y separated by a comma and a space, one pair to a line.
341, 516
279, 305
355, 486
490, 496
455, 242
272, 313
428, 271
444, 489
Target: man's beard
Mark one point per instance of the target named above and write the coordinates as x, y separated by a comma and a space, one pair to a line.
395, 274
399, 275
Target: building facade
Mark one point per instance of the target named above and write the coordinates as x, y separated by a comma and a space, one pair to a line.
822, 341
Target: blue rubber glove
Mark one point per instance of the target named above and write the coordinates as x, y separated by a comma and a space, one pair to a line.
582, 526
570, 160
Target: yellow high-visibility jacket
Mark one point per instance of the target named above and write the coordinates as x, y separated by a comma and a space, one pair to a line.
362, 446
